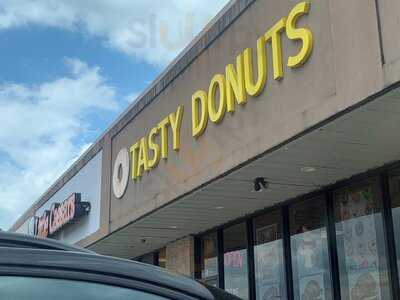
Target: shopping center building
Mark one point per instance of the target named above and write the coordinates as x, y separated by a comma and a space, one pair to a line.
264, 160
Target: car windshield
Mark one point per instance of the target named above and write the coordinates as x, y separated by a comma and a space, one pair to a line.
28, 288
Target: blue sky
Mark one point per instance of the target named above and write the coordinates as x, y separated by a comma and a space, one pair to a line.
68, 68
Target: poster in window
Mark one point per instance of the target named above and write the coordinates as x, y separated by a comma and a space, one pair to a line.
364, 285
235, 272
359, 232
309, 252
312, 287
210, 267
270, 292
360, 243
268, 254
267, 234
356, 203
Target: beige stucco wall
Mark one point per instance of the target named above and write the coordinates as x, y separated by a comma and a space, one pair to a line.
344, 68
389, 11
355, 55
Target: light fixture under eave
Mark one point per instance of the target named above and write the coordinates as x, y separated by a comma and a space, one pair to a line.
308, 169
218, 207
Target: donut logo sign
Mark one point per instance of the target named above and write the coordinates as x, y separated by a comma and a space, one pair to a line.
120, 173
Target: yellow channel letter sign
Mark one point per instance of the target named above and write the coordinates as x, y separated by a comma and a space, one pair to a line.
146, 153
232, 87
239, 80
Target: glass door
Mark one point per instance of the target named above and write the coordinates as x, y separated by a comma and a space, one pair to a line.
235, 260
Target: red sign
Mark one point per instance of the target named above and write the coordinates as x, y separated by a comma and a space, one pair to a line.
41, 227
233, 259
60, 215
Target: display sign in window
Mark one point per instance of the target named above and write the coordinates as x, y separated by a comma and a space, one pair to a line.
395, 196
309, 250
268, 257
209, 261
360, 242
235, 261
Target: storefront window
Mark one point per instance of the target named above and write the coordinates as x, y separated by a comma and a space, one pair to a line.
209, 259
268, 257
162, 257
395, 196
147, 258
360, 242
309, 247
235, 260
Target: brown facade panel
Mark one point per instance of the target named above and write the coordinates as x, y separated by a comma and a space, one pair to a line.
343, 69
389, 18
357, 55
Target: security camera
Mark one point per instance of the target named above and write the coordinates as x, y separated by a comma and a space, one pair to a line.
260, 184
143, 240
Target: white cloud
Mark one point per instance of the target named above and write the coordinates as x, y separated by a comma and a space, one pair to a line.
132, 97
41, 132
154, 31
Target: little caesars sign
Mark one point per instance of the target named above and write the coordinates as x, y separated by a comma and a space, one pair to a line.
232, 87
59, 215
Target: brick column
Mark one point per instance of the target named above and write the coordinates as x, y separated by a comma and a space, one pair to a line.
180, 256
